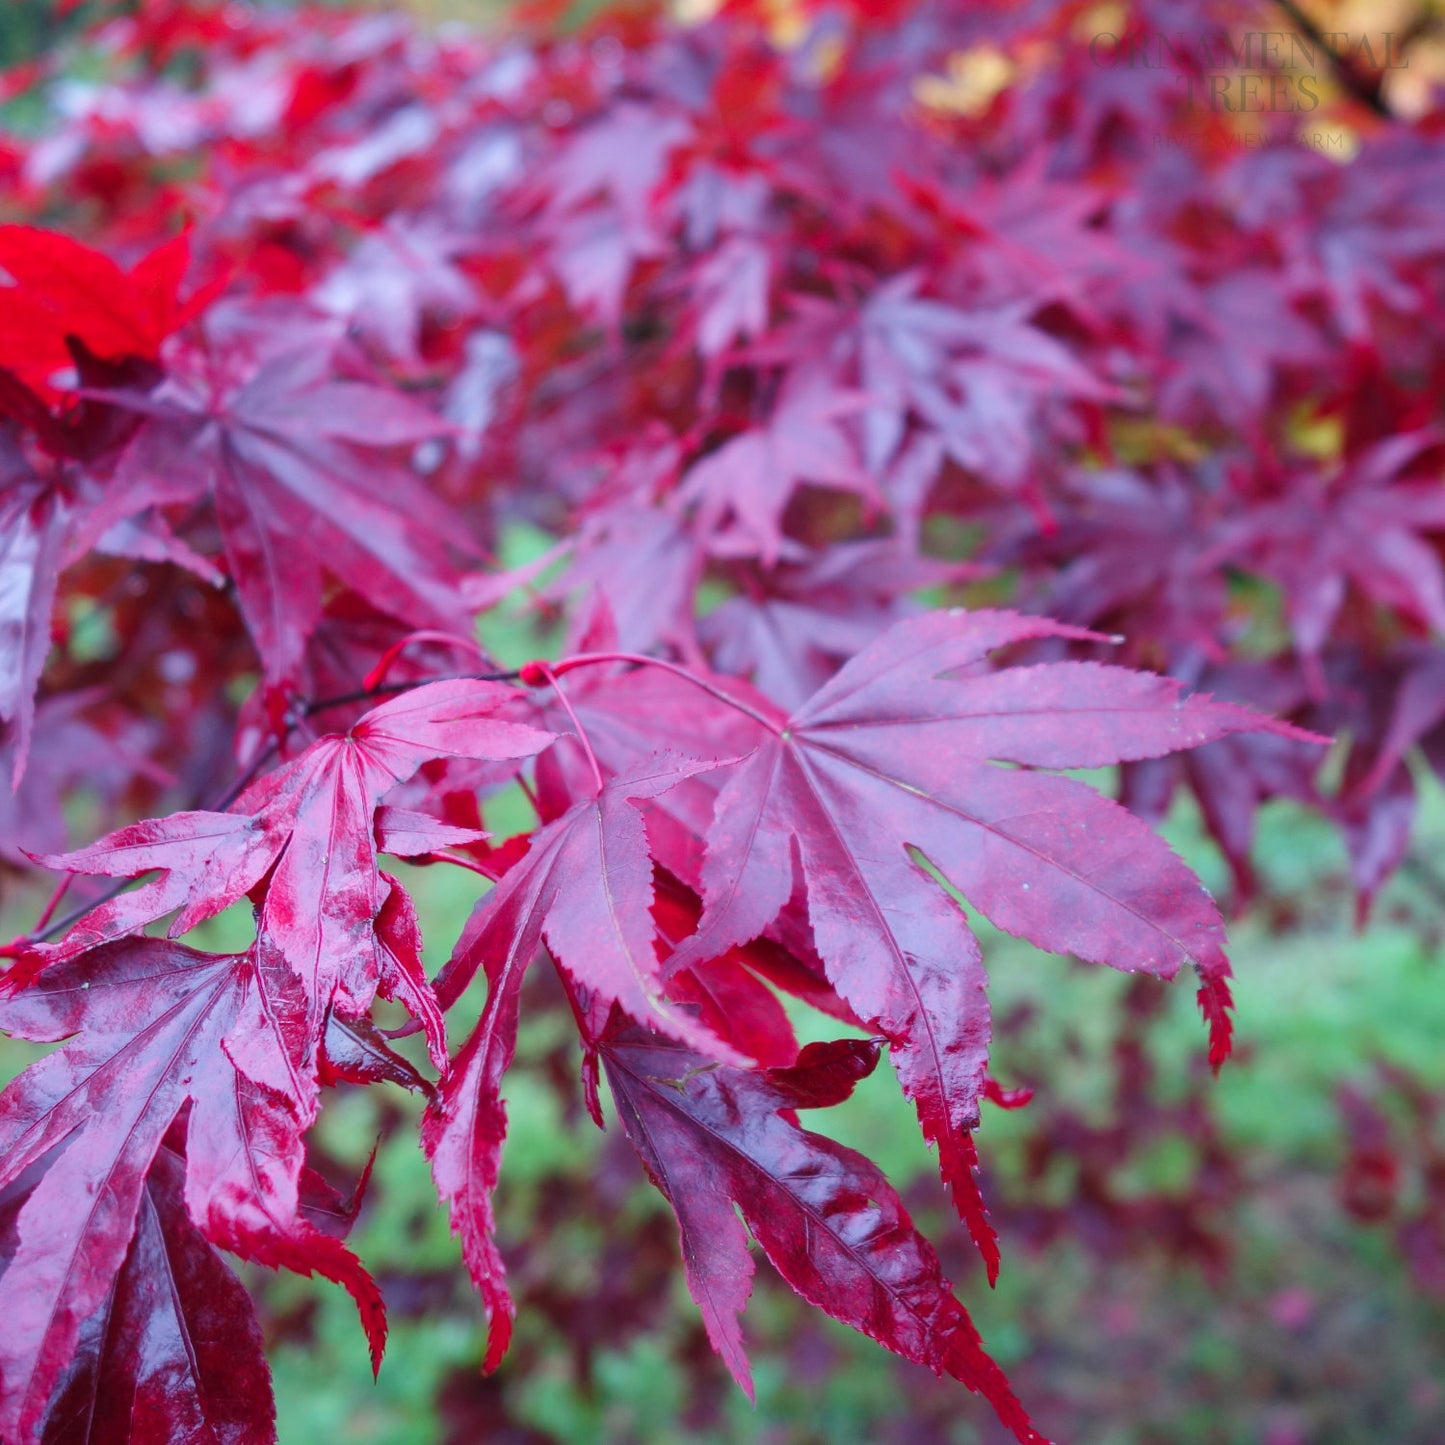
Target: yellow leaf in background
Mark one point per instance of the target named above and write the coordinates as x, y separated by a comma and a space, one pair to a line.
1110, 18
974, 79
694, 12
1318, 436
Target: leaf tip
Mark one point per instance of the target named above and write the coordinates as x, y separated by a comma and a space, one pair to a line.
499, 1340
1215, 1003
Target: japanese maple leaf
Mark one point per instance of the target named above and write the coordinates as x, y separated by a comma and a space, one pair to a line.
1024, 233
1364, 242
289, 457
978, 378
1231, 778
1229, 347
34, 526
1386, 703
1361, 525
586, 888
65, 290
643, 562
749, 480
1128, 549
631, 718
789, 629
153, 1027
599, 212
713, 1137
305, 833
396, 277
730, 290
731, 998
895, 761
173, 1351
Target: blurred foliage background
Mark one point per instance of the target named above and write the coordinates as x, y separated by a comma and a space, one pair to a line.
1253, 1261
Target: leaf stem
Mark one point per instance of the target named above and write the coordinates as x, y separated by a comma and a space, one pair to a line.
545, 670
391, 689
590, 659
377, 675
43, 933
48, 911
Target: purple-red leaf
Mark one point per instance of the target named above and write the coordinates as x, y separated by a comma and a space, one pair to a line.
33, 522
712, 1137
585, 887
173, 1351
156, 1027
894, 763
307, 830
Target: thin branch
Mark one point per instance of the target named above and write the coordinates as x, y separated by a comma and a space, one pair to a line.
1358, 83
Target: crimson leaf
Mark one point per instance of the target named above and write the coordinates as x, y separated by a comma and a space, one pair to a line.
712, 1137
896, 760
586, 887
307, 830
157, 1027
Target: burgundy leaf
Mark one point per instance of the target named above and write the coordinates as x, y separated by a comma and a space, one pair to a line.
899, 753
33, 522
749, 480
307, 830
173, 1351
712, 1137
293, 499
156, 1026
585, 886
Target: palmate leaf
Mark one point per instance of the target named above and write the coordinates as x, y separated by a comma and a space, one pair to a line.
158, 1030
291, 461
896, 759
712, 1137
237, 1041
65, 289
173, 1351
751, 478
586, 887
307, 829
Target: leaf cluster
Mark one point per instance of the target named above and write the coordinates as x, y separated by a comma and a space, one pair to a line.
902, 443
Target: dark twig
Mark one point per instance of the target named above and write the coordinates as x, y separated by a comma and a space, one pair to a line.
1362, 85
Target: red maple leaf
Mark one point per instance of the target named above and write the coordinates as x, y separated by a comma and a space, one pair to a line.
891, 766
301, 839
64, 290
291, 459
713, 1137
158, 1030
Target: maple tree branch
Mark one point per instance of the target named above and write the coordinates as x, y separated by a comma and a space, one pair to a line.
391, 689
39, 934
48, 911
1353, 80
252, 772
377, 675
